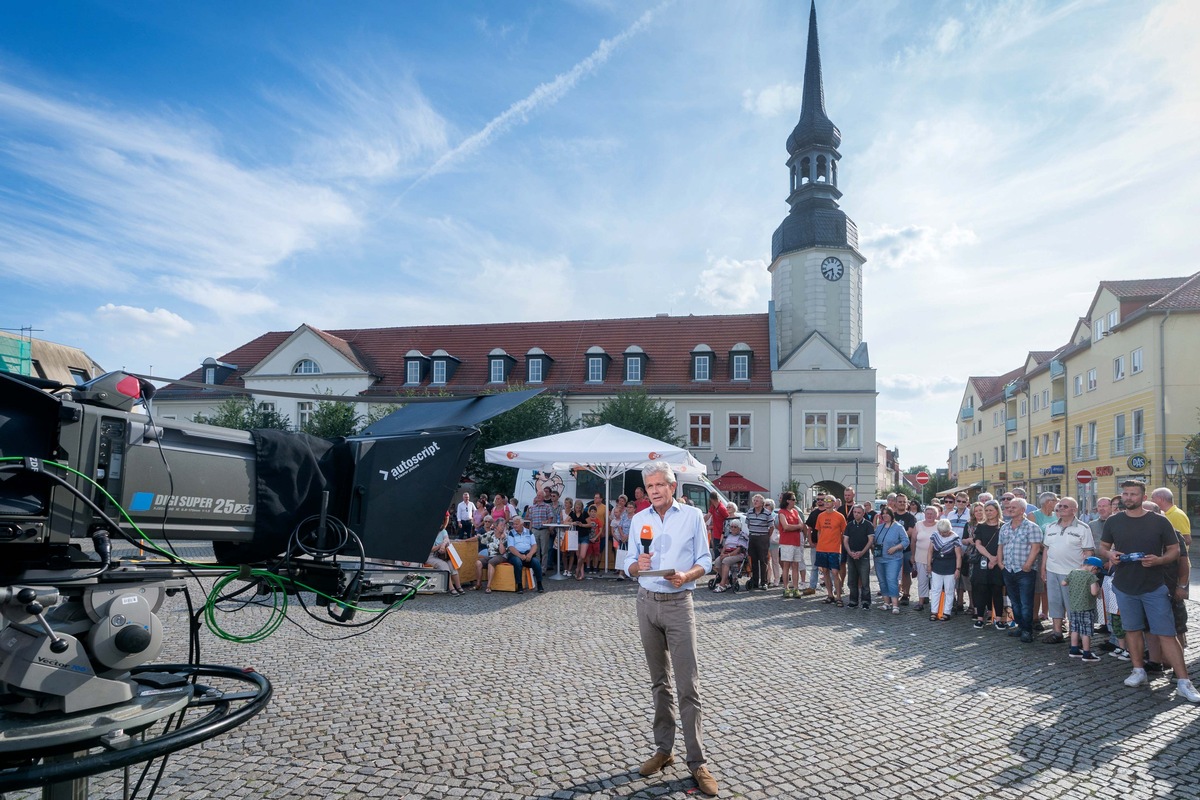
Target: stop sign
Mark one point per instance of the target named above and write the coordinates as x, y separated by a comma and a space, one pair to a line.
1083, 476
921, 478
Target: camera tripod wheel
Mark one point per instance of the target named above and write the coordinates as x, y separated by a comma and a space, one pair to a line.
66, 749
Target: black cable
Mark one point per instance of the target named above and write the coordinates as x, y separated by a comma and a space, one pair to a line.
170, 478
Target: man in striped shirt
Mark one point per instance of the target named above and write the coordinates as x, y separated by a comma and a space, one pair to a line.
758, 525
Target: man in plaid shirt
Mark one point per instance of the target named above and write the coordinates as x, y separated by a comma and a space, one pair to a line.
1019, 551
541, 514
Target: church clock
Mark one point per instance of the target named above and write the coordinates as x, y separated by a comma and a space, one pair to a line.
832, 268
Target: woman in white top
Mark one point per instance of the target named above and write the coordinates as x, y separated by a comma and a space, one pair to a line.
922, 535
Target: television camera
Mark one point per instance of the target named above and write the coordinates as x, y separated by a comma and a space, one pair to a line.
285, 513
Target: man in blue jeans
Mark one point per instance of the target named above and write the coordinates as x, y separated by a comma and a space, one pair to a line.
1019, 550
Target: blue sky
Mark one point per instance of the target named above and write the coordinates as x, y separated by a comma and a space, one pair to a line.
177, 178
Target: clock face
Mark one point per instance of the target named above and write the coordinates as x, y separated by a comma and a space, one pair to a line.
832, 269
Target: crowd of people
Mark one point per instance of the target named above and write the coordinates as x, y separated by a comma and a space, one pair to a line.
1116, 583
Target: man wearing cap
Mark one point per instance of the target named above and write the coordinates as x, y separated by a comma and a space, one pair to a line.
675, 538
1141, 545
1067, 542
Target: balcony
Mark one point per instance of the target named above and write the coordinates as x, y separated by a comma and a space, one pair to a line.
1057, 369
1127, 445
1010, 425
1011, 390
966, 414
1058, 408
1084, 452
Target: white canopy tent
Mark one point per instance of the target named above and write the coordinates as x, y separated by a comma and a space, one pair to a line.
605, 450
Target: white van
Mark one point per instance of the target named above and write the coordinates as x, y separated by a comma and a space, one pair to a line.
583, 485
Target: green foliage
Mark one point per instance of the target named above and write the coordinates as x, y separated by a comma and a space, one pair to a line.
377, 411
243, 413
333, 418
540, 416
907, 491
638, 412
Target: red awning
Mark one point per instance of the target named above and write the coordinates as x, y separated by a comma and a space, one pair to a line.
734, 482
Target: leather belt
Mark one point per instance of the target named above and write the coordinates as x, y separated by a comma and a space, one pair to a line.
665, 597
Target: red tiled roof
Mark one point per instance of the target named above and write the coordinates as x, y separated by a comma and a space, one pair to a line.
991, 387
666, 341
1146, 287
1185, 297
341, 345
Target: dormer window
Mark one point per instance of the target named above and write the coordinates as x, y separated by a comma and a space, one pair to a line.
739, 362
635, 364
442, 366
210, 375
216, 372
537, 365
414, 367
412, 372
596, 362
702, 363
306, 366
500, 365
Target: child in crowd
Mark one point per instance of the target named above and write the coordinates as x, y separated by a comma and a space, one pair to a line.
1114, 614
1083, 587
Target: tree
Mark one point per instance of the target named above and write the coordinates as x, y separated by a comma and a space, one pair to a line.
540, 416
242, 413
333, 418
638, 412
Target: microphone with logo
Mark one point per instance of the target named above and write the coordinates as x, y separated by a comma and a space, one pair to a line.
647, 538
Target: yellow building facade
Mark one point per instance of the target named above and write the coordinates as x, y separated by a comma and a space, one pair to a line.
1119, 400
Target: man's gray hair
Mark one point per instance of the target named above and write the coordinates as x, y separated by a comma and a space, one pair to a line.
1019, 504
1044, 496
1019, 491
1162, 493
658, 468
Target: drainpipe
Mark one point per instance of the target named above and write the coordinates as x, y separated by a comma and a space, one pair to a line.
1162, 395
791, 434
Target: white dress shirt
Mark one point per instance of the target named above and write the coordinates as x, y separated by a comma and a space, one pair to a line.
680, 543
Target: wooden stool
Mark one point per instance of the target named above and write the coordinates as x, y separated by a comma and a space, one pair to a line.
502, 578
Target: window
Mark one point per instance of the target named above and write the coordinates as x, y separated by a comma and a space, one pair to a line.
816, 430
849, 429
1046, 443
1078, 440
739, 431
1004, 453
1099, 331
1036, 401
1078, 385
595, 369
995, 455
700, 430
1112, 320
496, 370
210, 376
1119, 435
1135, 362
1057, 441
703, 364
412, 372
535, 370
306, 366
1138, 445
1092, 438
1024, 406
1119, 368
266, 407
304, 412
741, 367
995, 419
633, 370
1036, 451
439, 371
1045, 398
1091, 379
1024, 453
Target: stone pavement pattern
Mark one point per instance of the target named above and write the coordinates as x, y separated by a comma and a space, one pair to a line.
802, 700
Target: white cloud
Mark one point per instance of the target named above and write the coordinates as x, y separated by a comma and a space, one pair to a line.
731, 286
782, 98
907, 386
913, 246
948, 35
227, 299
141, 322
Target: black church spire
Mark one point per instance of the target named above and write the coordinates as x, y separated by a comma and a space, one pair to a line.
814, 126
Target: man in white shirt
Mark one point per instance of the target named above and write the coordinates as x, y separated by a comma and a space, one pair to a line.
670, 536
1067, 543
463, 514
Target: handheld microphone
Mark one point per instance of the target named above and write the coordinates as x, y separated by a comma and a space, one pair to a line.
647, 538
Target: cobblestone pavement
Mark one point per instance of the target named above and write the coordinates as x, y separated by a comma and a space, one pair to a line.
499, 696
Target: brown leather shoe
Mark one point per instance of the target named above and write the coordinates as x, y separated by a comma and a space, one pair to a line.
656, 764
705, 781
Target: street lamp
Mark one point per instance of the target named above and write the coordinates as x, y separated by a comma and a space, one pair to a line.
716, 465
1180, 473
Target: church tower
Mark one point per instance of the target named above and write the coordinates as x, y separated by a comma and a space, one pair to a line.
816, 269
